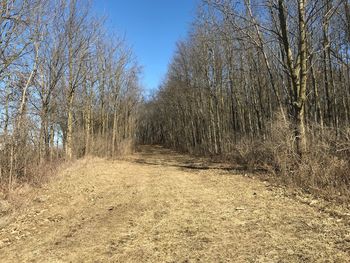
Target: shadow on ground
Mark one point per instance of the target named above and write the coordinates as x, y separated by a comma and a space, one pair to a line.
158, 155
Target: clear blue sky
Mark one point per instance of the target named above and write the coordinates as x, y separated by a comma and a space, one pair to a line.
152, 28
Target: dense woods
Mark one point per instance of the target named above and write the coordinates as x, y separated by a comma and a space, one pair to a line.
67, 88
242, 154
264, 82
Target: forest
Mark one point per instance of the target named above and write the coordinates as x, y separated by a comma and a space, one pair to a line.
263, 83
241, 154
68, 89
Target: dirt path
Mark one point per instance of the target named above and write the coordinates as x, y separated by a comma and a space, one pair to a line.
155, 208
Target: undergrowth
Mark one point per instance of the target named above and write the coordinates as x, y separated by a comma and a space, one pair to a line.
323, 170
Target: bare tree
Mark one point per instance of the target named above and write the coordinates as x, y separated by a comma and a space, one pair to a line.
54, 72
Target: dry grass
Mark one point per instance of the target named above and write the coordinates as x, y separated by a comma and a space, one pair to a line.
152, 208
36, 174
28, 169
323, 171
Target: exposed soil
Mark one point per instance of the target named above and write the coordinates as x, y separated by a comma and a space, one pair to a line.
160, 206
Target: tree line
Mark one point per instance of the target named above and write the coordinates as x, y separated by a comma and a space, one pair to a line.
67, 88
249, 65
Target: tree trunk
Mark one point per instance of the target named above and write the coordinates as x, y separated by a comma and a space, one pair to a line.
300, 105
298, 73
69, 136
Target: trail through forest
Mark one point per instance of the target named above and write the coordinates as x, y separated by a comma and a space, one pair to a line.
160, 206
